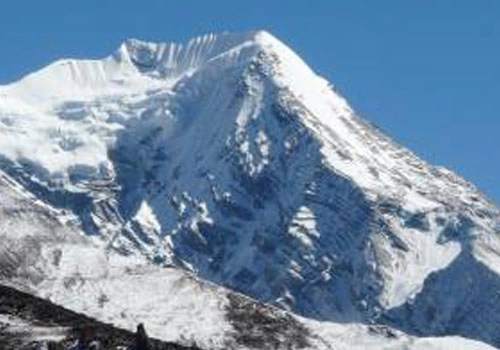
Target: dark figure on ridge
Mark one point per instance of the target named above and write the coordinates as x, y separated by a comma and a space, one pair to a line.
141, 341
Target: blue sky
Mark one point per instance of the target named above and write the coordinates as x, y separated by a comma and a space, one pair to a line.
427, 72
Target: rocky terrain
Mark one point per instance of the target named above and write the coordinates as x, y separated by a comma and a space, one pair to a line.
28, 322
156, 183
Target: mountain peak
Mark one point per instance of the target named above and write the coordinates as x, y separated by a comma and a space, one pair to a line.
229, 157
171, 59
225, 40
137, 65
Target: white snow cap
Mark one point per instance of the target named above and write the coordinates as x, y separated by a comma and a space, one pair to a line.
136, 65
176, 57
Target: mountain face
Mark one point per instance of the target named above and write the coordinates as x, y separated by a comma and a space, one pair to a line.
229, 158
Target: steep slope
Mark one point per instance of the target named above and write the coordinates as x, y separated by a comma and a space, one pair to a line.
230, 158
47, 256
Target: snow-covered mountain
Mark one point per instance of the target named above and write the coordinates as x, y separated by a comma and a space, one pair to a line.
46, 255
229, 158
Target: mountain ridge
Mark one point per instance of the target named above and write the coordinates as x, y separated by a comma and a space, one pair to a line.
235, 161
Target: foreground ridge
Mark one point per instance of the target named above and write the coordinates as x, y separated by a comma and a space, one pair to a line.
28, 322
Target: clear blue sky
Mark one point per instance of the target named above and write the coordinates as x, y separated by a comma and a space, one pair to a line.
427, 72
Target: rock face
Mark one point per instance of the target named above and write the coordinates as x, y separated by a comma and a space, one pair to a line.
230, 158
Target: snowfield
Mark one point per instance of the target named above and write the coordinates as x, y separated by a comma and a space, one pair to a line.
166, 181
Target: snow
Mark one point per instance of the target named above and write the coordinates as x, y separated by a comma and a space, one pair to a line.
303, 227
191, 311
147, 218
424, 257
229, 157
171, 305
357, 337
17, 327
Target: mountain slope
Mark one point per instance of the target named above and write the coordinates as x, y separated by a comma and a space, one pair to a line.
44, 257
230, 158
28, 322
